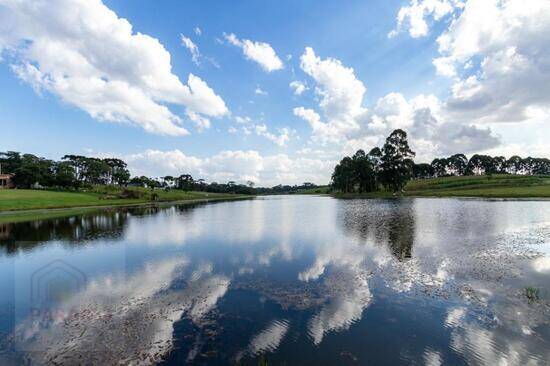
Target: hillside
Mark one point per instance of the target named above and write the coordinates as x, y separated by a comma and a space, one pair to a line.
489, 186
27, 199
501, 185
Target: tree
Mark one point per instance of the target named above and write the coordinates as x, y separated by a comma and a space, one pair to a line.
375, 157
342, 177
10, 161
34, 170
422, 171
541, 166
117, 173
498, 165
439, 167
168, 180
527, 165
513, 165
65, 176
79, 164
396, 167
480, 164
97, 171
457, 164
185, 182
363, 174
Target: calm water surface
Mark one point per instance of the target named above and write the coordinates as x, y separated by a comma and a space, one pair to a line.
286, 279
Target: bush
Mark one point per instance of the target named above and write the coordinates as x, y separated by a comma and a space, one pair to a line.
131, 194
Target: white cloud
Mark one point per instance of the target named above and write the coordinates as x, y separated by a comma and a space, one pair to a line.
259, 91
322, 132
496, 52
197, 31
414, 16
340, 91
298, 87
348, 126
192, 47
281, 139
82, 52
341, 96
506, 56
260, 52
200, 122
225, 166
243, 120
431, 132
196, 56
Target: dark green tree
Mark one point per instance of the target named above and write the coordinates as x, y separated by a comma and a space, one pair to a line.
342, 177
185, 182
397, 163
457, 164
513, 165
65, 176
439, 167
423, 171
364, 176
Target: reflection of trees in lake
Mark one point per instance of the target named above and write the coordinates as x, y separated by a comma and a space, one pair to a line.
76, 229
72, 229
383, 222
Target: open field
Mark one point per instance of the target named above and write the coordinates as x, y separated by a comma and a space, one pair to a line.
26, 199
488, 186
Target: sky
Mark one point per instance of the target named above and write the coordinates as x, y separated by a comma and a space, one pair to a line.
274, 92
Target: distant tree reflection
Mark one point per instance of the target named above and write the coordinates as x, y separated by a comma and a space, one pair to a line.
381, 222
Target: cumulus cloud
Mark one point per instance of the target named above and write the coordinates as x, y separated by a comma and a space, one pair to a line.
239, 166
197, 31
496, 53
82, 52
259, 52
429, 127
341, 96
510, 77
415, 16
298, 87
347, 125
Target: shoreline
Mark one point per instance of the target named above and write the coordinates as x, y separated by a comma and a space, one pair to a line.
13, 216
492, 198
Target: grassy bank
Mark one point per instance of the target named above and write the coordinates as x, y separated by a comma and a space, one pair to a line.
495, 186
26, 199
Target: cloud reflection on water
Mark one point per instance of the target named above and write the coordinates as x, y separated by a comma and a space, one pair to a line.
329, 257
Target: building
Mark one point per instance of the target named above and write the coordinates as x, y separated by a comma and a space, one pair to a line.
6, 181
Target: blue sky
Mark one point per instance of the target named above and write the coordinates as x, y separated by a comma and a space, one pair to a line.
263, 137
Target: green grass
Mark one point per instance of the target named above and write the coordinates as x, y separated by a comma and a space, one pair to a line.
27, 199
13, 217
495, 186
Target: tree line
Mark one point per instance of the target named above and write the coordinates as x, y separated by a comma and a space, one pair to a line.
458, 165
392, 166
77, 171
72, 171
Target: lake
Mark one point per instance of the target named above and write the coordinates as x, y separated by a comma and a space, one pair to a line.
281, 280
